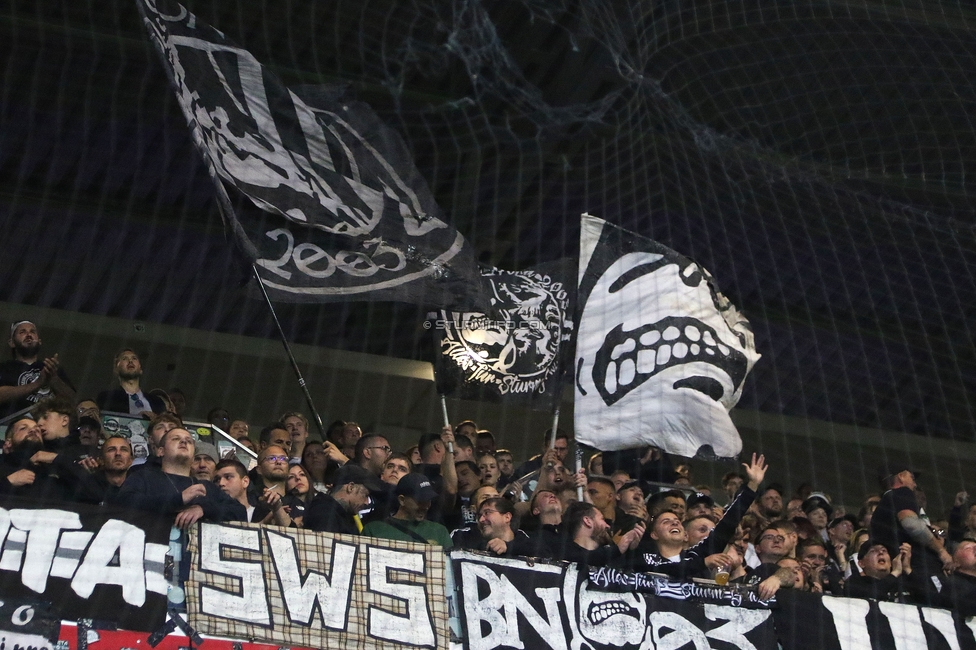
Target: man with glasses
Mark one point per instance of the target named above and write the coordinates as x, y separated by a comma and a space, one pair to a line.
500, 537
372, 452
772, 546
272, 473
129, 397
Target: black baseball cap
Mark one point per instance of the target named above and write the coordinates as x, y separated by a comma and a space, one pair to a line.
417, 487
696, 498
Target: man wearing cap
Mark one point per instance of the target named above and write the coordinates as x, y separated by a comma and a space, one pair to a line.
204, 461
630, 509
129, 397
414, 493
882, 577
769, 503
338, 511
699, 504
28, 378
818, 510
90, 430
896, 520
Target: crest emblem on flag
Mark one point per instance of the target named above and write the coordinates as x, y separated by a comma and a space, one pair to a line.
661, 354
515, 351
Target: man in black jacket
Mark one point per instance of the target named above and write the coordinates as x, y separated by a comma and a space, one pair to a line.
589, 537
337, 511
663, 551
170, 490
129, 397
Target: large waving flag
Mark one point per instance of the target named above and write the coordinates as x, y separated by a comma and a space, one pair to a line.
661, 354
516, 352
344, 215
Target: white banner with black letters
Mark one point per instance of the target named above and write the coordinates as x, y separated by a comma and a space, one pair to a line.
294, 587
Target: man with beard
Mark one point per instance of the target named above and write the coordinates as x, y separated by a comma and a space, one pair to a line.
205, 461
589, 535
415, 493
27, 378
769, 503
170, 490
19, 476
337, 511
128, 397
469, 536
272, 473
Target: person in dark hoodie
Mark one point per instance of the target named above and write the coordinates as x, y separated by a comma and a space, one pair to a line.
18, 474
55, 419
663, 549
170, 490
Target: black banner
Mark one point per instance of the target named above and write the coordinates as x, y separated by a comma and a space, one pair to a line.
84, 562
510, 603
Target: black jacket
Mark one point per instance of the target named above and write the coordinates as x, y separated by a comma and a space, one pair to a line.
117, 401
153, 490
326, 515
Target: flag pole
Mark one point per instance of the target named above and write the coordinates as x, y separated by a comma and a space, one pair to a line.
291, 357
447, 421
230, 218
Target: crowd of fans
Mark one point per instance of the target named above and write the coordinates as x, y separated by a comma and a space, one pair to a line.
456, 489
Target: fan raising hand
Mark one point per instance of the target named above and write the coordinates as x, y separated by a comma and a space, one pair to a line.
756, 471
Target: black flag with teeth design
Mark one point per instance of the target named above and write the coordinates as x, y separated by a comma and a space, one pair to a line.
661, 354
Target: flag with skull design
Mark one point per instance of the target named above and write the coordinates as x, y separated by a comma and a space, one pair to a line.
661, 354
337, 208
518, 350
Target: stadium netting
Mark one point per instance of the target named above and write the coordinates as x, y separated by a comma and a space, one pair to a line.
812, 155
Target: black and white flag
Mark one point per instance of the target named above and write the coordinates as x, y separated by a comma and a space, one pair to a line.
344, 214
661, 354
517, 351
